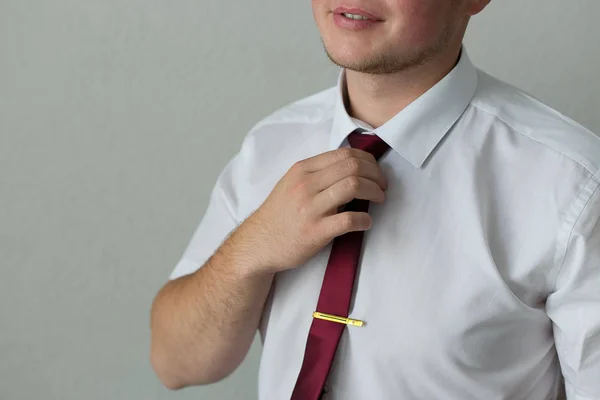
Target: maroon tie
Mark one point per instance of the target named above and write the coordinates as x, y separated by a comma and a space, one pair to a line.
336, 291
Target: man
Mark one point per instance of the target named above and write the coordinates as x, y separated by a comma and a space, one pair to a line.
474, 275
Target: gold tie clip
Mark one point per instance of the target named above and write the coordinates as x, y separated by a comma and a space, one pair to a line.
339, 320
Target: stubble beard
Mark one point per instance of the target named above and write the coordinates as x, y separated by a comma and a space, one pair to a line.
389, 62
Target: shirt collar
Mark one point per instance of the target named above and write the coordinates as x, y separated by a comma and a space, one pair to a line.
416, 130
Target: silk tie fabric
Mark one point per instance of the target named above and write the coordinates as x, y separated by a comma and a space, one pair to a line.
336, 291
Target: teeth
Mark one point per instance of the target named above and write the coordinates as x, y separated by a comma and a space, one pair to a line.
354, 16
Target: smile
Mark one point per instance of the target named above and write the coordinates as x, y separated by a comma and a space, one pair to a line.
354, 16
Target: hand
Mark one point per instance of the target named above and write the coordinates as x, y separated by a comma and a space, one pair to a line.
300, 216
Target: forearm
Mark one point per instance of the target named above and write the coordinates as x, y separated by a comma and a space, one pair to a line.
203, 324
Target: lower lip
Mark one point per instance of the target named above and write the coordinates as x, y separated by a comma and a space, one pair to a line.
353, 24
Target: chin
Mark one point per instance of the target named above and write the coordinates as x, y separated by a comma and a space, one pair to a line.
348, 56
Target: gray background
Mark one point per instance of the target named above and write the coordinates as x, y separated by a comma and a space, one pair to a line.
116, 118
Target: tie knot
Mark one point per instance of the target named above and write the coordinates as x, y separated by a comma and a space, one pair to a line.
369, 143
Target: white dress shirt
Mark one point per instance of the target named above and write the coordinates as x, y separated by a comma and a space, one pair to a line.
480, 277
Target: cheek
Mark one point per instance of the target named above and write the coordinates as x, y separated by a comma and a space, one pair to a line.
320, 9
419, 21
320, 6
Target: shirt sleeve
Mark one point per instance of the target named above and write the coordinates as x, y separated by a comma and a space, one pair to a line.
218, 221
574, 305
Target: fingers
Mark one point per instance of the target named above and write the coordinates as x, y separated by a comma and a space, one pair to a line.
345, 168
350, 221
345, 191
321, 161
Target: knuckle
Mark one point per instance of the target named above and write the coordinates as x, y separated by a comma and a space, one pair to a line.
303, 210
352, 184
353, 165
346, 152
300, 190
298, 165
333, 195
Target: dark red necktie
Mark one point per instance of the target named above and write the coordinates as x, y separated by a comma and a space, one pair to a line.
336, 291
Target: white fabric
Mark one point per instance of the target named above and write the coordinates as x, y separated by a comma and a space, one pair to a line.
482, 268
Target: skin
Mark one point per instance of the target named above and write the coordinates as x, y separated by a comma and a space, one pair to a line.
203, 324
399, 59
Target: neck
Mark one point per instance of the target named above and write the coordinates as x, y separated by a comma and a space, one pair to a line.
375, 99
